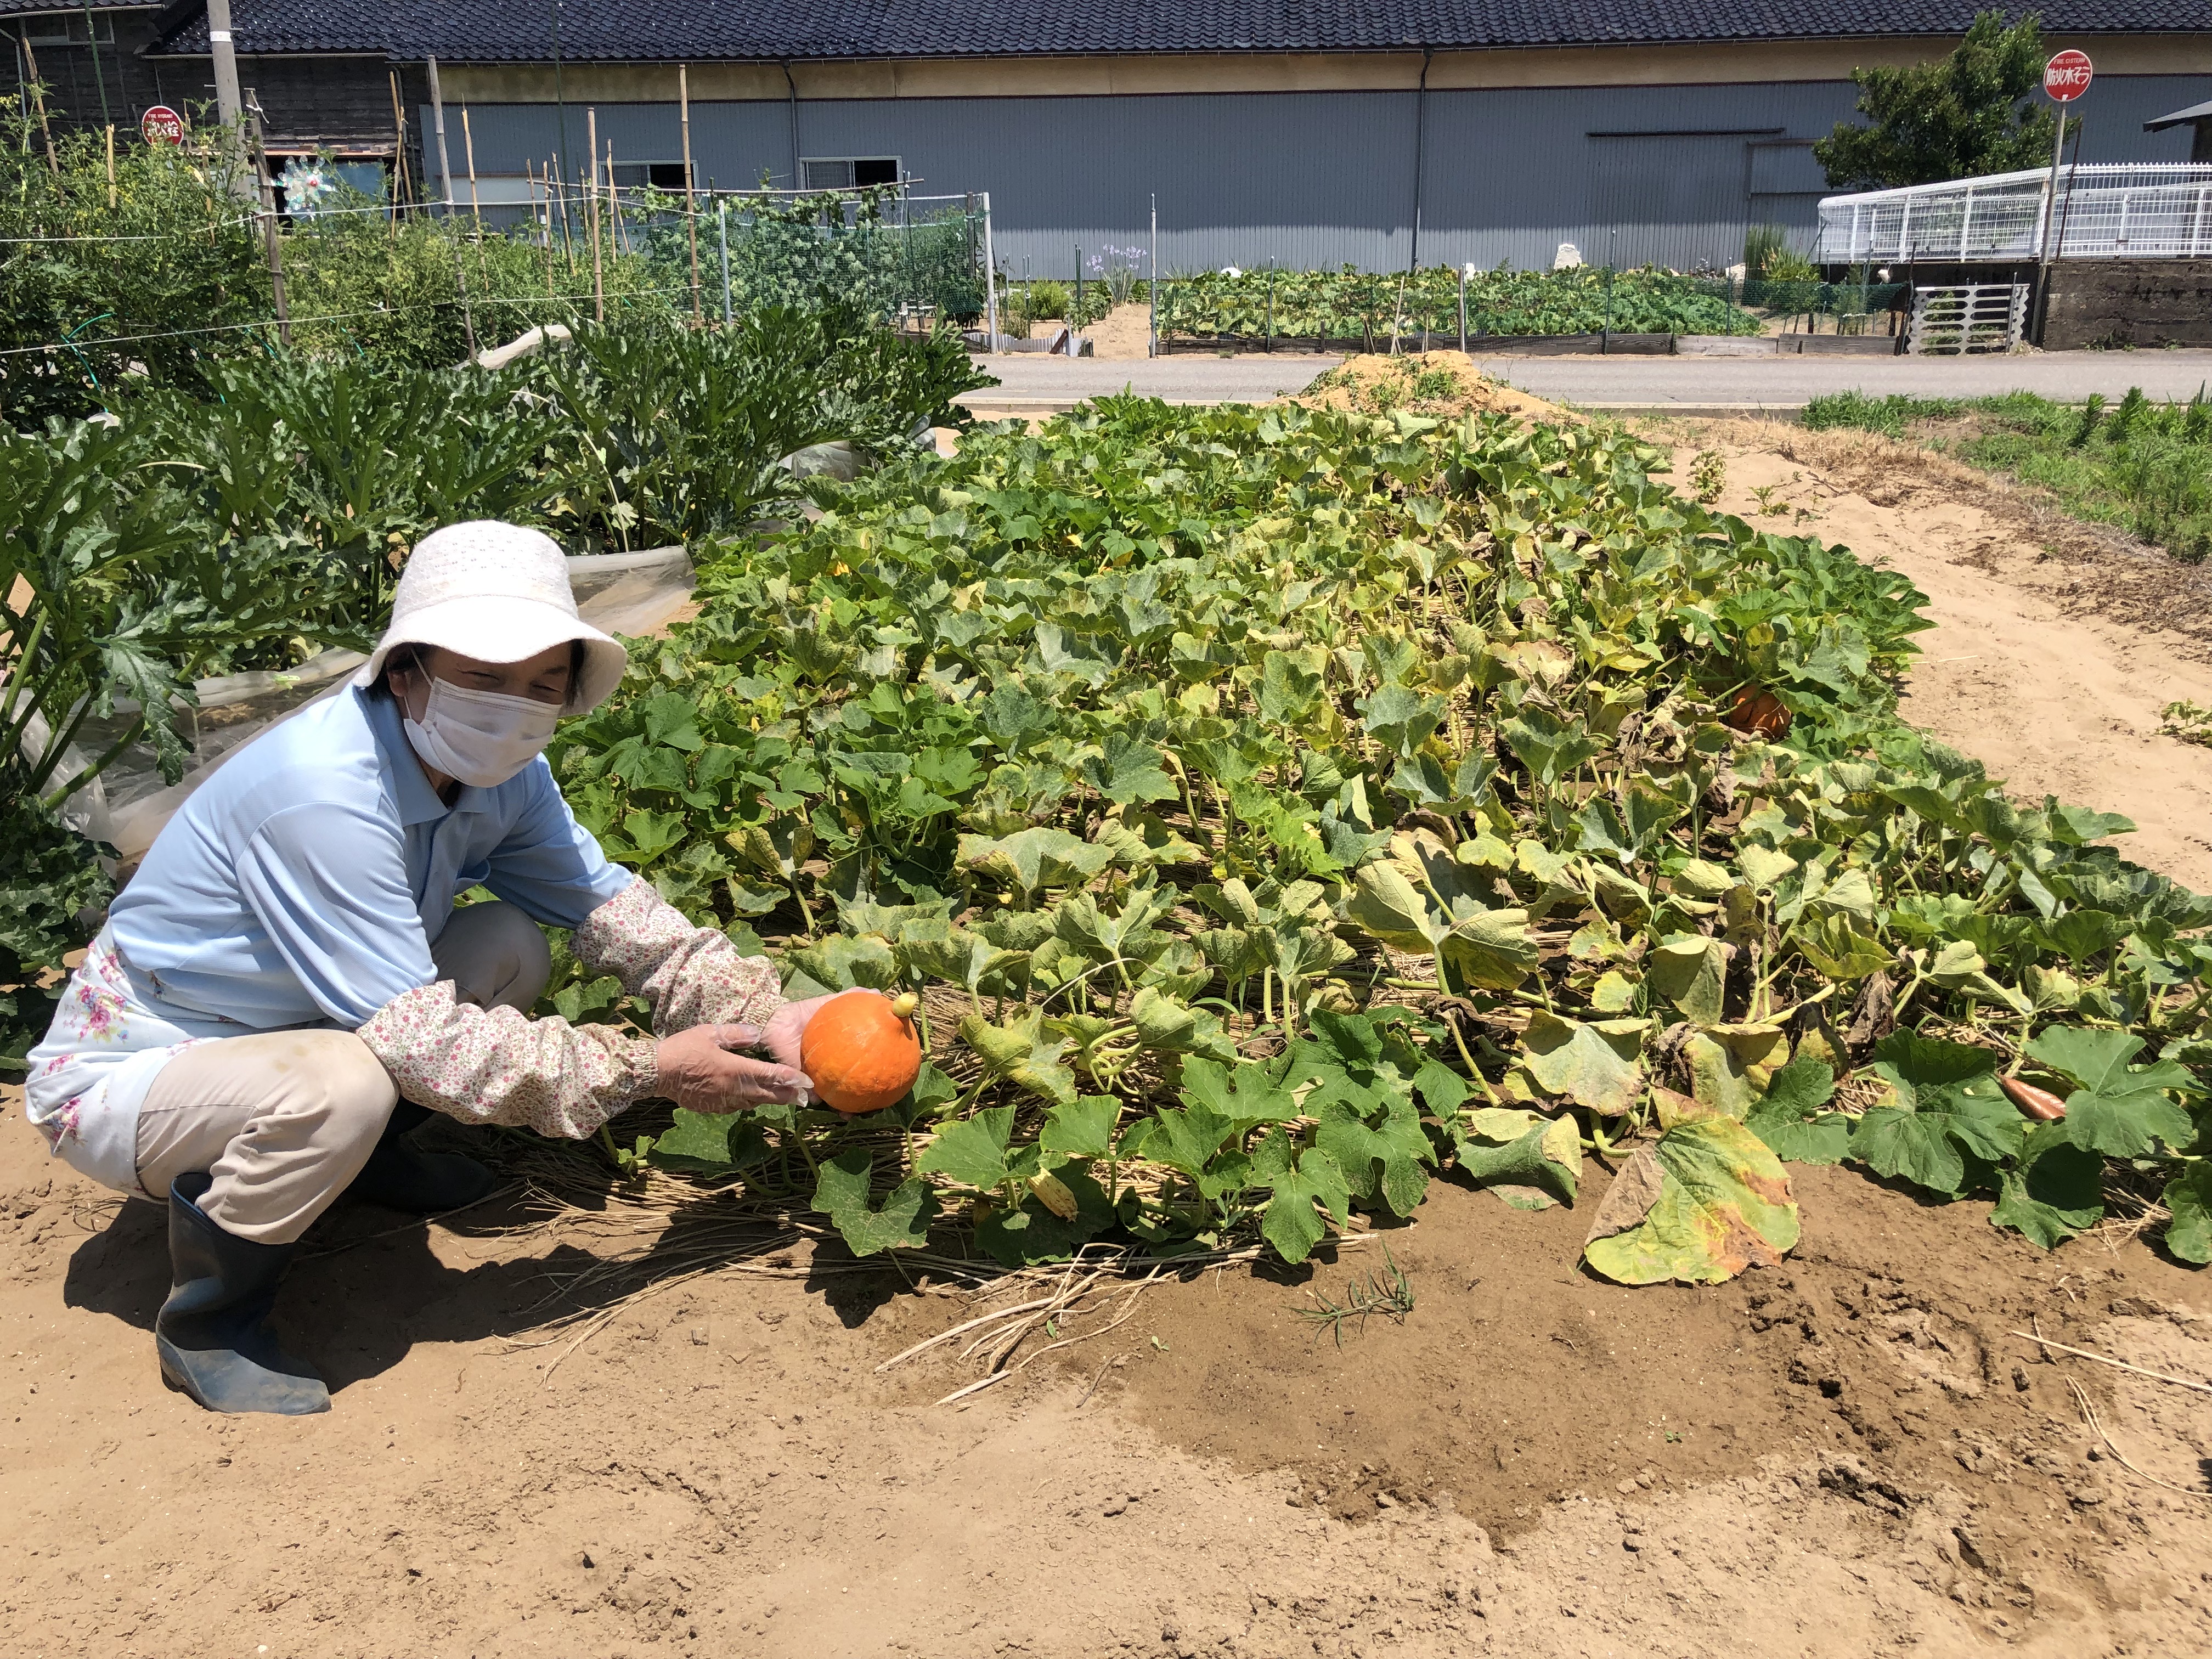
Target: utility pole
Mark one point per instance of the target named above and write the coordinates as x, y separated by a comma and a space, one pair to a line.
271, 238
228, 105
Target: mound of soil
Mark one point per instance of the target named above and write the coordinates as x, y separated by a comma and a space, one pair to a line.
1445, 383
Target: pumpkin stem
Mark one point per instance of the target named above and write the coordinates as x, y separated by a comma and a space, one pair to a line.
904, 1004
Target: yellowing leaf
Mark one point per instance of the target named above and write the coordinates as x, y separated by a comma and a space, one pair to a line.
1721, 1203
1577, 1062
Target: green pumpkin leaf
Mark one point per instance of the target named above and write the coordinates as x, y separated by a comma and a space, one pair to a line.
1032, 1233
2057, 1191
1303, 1183
710, 1143
1789, 1119
1083, 1127
900, 1222
2189, 1198
1382, 1153
973, 1152
1948, 1099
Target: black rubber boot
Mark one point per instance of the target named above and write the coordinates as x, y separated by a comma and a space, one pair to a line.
400, 1177
212, 1334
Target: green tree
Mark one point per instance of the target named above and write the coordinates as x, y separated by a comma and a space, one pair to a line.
1957, 118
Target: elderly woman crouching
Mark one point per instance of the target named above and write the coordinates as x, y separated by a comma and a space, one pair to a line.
287, 988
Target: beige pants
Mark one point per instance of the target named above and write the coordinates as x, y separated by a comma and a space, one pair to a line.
284, 1121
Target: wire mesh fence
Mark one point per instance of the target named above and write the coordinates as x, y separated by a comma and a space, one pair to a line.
2103, 211
915, 260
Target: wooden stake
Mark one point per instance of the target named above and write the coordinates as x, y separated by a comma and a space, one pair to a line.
690, 206
110, 165
591, 214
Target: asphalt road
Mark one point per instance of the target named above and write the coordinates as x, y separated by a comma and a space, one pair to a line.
1685, 385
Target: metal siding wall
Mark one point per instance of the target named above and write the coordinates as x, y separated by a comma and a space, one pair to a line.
1313, 180
1308, 180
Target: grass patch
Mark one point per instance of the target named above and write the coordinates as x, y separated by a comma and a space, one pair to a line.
2144, 466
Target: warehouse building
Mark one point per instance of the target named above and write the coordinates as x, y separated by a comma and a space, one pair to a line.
1304, 134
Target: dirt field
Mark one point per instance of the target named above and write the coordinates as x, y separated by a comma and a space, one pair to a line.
1854, 1454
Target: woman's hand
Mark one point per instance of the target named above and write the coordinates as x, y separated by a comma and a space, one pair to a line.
698, 1070
788, 1025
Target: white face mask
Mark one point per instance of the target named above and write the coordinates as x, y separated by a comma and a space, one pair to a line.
481, 737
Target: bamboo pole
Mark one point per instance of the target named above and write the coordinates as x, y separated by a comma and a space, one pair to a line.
617, 232
398, 154
690, 205
38, 97
592, 212
274, 242
469, 149
475, 204
555, 182
110, 167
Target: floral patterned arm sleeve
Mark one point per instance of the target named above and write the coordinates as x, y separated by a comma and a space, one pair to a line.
495, 1065
690, 976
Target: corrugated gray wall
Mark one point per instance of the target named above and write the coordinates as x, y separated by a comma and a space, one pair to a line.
1665, 174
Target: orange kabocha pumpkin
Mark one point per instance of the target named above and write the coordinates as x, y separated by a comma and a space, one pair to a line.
1760, 712
861, 1050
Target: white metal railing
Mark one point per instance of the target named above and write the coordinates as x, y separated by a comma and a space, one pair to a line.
2105, 211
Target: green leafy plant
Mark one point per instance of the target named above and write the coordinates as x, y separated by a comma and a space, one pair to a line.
1351, 304
1279, 807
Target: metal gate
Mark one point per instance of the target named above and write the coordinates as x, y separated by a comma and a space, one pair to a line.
1970, 317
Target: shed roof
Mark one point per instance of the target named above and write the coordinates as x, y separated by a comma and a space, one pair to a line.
664, 31
2181, 117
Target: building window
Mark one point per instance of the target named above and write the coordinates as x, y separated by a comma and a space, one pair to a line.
849, 171
636, 175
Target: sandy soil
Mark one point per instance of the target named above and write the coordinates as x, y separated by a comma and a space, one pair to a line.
1856, 1454
1851, 1456
2056, 645
1124, 333
1380, 382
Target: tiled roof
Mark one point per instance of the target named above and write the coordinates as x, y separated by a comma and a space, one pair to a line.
664, 31
36, 7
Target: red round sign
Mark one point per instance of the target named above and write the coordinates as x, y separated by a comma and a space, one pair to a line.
161, 125
2066, 76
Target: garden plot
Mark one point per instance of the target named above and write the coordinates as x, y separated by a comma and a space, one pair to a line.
2058, 644
1539, 1461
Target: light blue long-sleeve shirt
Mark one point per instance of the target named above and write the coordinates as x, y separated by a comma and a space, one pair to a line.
305, 880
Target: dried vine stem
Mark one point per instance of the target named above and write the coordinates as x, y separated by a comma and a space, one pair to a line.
2089, 1416
2118, 1364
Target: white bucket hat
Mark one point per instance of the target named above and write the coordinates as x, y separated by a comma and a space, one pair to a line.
497, 593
